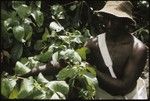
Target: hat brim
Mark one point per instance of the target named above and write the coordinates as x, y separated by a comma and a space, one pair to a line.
117, 14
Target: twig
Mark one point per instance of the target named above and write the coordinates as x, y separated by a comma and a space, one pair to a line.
140, 29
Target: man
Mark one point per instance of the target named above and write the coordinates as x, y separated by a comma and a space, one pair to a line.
127, 53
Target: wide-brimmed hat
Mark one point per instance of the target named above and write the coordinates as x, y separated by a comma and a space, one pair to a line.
119, 9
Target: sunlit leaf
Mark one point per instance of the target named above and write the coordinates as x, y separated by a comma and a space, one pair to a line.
21, 68
90, 85
26, 87
38, 17
65, 38
55, 58
91, 70
58, 86
77, 57
7, 86
55, 26
7, 22
42, 79
66, 73
82, 52
33, 62
37, 94
58, 95
19, 33
14, 93
58, 11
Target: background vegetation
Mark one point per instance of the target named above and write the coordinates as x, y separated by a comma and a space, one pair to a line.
35, 32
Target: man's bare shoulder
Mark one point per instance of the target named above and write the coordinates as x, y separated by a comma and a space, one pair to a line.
139, 46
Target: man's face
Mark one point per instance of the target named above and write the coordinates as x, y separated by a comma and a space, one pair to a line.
114, 25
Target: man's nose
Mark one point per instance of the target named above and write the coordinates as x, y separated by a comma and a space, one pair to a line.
109, 24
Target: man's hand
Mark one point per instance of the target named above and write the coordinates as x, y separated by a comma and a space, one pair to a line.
50, 68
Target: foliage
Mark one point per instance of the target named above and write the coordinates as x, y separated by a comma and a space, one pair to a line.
56, 44
27, 42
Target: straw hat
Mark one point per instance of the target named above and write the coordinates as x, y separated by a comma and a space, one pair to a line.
119, 9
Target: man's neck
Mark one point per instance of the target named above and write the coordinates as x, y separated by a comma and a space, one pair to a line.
115, 38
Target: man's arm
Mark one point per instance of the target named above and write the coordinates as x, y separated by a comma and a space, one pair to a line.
132, 72
49, 69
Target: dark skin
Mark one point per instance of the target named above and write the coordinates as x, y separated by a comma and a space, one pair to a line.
47, 69
128, 56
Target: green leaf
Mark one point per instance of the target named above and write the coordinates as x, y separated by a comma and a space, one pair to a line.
91, 70
42, 79
67, 53
38, 4
55, 26
77, 39
33, 62
58, 95
77, 57
38, 17
58, 11
23, 11
82, 52
55, 96
45, 35
58, 86
7, 22
17, 51
16, 4
28, 31
24, 60
91, 91
37, 94
65, 38
38, 45
66, 73
26, 87
7, 86
70, 54
21, 68
86, 32
44, 57
14, 93
11, 21
19, 33
55, 58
